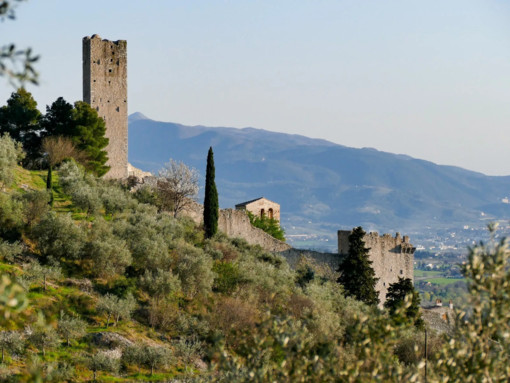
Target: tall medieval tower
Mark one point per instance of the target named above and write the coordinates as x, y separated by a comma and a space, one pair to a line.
105, 90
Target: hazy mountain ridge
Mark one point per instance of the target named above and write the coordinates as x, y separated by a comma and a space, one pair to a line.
319, 181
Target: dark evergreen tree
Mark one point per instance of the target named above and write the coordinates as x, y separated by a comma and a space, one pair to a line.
20, 118
358, 276
49, 182
58, 120
211, 205
395, 298
90, 137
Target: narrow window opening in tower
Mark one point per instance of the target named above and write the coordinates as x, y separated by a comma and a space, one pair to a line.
97, 108
117, 62
113, 52
270, 213
94, 80
117, 109
109, 70
111, 60
262, 212
109, 82
98, 62
108, 101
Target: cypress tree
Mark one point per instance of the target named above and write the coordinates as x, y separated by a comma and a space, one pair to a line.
49, 181
211, 205
358, 276
49, 178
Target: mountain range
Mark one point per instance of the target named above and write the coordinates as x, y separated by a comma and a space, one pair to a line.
323, 186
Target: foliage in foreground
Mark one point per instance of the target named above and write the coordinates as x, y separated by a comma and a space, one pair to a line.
165, 300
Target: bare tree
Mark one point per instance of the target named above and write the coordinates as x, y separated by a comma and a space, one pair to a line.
177, 185
59, 148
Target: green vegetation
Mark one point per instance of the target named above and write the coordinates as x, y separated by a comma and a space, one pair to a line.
102, 286
357, 275
211, 205
402, 295
269, 225
79, 124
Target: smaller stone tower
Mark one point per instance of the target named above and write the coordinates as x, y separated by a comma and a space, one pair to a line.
105, 89
392, 257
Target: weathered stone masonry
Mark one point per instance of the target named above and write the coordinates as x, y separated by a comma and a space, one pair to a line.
261, 206
392, 257
105, 89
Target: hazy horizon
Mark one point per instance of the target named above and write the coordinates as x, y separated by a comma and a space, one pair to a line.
429, 80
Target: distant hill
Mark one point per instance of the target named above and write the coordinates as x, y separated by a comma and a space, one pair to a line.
323, 186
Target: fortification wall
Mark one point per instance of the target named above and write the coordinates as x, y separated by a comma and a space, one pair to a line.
294, 256
105, 89
392, 257
235, 223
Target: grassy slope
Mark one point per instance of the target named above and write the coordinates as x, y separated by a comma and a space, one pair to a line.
60, 296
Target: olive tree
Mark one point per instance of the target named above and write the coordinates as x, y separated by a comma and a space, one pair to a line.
115, 307
11, 342
11, 152
71, 327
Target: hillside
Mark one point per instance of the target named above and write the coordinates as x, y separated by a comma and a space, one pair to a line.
100, 285
322, 186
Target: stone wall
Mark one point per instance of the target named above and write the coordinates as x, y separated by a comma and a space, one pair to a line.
392, 257
105, 89
294, 256
235, 223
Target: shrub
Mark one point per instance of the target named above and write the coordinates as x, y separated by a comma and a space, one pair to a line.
146, 194
11, 216
232, 315
35, 206
114, 199
42, 336
270, 225
109, 253
103, 361
149, 356
11, 153
58, 236
193, 267
160, 283
41, 273
11, 342
227, 277
116, 308
9, 251
70, 327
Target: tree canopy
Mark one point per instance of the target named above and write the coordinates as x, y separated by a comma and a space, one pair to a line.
211, 204
90, 137
20, 119
396, 299
358, 276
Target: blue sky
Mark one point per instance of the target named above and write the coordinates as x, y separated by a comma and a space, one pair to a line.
430, 79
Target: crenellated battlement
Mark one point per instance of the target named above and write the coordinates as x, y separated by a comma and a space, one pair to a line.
392, 257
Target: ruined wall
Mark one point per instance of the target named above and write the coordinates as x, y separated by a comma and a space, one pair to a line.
105, 89
294, 256
235, 223
392, 257
271, 209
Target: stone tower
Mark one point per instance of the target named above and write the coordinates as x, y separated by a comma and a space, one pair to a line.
105, 89
392, 257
